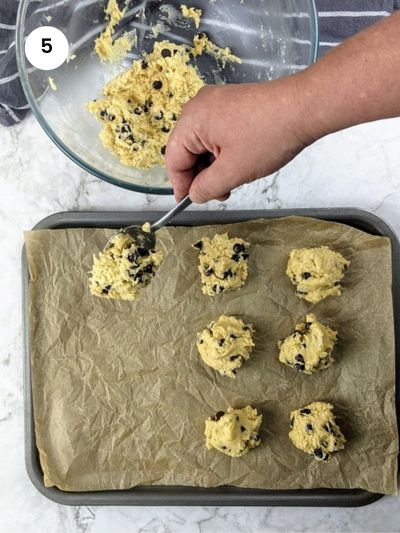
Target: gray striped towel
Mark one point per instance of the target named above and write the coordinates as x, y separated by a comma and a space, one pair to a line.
338, 19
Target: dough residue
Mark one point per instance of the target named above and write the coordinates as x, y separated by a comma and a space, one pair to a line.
309, 348
202, 44
314, 430
225, 344
140, 106
106, 49
234, 432
120, 271
222, 263
192, 13
52, 84
316, 272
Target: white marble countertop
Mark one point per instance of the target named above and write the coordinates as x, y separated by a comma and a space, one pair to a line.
359, 167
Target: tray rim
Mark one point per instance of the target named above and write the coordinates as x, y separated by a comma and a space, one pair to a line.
198, 496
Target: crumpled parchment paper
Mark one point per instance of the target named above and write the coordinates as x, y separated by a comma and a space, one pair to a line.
121, 395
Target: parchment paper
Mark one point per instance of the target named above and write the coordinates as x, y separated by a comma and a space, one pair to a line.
121, 395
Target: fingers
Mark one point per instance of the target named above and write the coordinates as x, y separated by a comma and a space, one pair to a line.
180, 164
214, 182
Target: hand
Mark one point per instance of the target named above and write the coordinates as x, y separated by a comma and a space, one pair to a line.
234, 134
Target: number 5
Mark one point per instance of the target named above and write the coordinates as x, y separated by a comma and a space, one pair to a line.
47, 47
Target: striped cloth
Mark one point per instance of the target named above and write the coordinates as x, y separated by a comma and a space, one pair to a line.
338, 20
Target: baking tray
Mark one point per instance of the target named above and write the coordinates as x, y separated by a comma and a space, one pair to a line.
178, 495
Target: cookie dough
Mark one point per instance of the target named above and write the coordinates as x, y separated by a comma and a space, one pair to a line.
316, 272
225, 344
141, 106
222, 263
123, 269
309, 348
234, 432
202, 44
106, 49
192, 13
315, 431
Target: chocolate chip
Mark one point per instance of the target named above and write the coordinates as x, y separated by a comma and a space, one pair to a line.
165, 129
307, 325
306, 275
305, 411
235, 257
327, 428
132, 258
299, 358
324, 444
215, 288
201, 35
143, 252
145, 65
159, 115
138, 277
163, 150
233, 357
228, 274
173, 117
125, 128
106, 289
218, 415
201, 341
318, 453
309, 427
148, 269
233, 336
165, 52
208, 271
326, 457
245, 256
198, 245
170, 95
129, 101
234, 372
145, 108
242, 429
246, 328
238, 247
291, 421
257, 436
221, 342
157, 85
130, 139
300, 367
137, 111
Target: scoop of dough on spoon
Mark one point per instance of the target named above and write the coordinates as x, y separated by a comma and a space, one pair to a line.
145, 236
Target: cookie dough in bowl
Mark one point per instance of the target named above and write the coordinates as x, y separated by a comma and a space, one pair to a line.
120, 271
309, 348
222, 263
314, 430
316, 272
234, 432
225, 344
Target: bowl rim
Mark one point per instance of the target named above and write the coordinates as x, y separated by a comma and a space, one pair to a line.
23, 75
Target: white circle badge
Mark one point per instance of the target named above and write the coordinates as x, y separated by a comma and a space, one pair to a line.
46, 48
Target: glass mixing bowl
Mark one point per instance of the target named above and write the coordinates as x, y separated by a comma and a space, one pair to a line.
273, 38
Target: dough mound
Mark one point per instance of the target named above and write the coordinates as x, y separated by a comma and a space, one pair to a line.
309, 348
222, 263
123, 269
315, 431
141, 106
235, 432
316, 272
225, 344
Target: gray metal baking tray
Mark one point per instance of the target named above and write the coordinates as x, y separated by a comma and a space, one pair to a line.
176, 495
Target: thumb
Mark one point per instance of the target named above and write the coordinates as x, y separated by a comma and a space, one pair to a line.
214, 182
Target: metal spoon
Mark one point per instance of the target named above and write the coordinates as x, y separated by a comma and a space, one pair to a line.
147, 239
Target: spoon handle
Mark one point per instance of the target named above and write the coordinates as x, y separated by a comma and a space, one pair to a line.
183, 204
